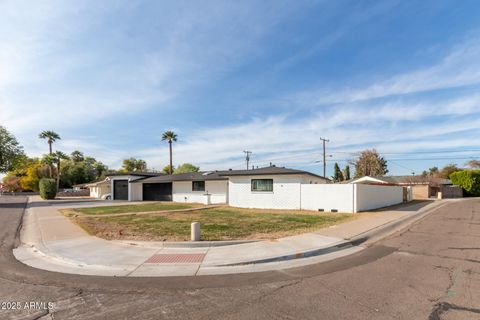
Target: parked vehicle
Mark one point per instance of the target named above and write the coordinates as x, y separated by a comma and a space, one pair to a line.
107, 196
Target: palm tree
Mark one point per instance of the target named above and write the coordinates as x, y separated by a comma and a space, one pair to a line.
51, 137
55, 158
77, 156
170, 136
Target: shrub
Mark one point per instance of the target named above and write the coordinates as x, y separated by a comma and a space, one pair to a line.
469, 180
48, 188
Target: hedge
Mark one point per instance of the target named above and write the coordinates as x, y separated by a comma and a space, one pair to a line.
48, 188
469, 180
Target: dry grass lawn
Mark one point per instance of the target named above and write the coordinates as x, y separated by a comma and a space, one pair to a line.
222, 223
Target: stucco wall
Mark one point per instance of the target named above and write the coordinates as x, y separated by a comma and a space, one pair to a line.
370, 197
218, 190
136, 192
285, 194
328, 197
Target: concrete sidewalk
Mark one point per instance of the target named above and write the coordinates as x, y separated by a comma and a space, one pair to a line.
51, 242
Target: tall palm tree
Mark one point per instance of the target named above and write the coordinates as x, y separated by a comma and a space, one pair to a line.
170, 136
51, 137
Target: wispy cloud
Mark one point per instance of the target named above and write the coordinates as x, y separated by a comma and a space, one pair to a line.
399, 127
460, 67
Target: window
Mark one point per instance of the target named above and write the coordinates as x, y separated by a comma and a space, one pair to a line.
262, 185
198, 185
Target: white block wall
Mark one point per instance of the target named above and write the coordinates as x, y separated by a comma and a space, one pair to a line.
349, 197
376, 196
218, 190
328, 197
285, 195
290, 193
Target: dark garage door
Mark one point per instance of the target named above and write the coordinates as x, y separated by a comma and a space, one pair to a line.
157, 191
120, 190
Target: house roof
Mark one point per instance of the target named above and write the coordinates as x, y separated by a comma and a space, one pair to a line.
136, 173
405, 180
272, 170
222, 175
189, 176
98, 183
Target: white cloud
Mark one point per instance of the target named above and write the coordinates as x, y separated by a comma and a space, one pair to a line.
398, 127
460, 67
69, 66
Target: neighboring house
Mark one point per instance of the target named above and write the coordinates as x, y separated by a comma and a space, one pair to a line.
422, 187
100, 188
264, 188
78, 187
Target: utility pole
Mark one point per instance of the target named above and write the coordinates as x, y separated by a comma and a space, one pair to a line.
324, 157
247, 156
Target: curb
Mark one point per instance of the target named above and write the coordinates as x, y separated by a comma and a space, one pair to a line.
186, 244
374, 235
293, 256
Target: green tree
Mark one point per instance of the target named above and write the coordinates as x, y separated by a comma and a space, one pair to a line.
132, 164
448, 170
170, 136
11, 153
346, 173
184, 168
370, 163
55, 159
167, 170
51, 137
469, 180
337, 173
433, 172
77, 156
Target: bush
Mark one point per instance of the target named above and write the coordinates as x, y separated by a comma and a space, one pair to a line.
469, 180
48, 188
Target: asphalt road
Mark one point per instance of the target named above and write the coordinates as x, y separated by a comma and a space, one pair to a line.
429, 271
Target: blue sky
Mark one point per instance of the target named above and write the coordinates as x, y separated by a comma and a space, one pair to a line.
268, 76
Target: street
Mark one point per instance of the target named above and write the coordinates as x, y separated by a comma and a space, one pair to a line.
429, 271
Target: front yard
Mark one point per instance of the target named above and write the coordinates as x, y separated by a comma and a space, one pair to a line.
222, 223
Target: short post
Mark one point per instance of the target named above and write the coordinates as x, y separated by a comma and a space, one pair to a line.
195, 231
439, 195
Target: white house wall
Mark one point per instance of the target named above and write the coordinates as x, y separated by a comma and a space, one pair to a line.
328, 197
370, 197
135, 192
285, 195
217, 189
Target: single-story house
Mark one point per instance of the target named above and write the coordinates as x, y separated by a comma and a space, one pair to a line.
213, 187
264, 188
422, 187
100, 188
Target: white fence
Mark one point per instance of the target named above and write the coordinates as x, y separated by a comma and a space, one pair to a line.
348, 197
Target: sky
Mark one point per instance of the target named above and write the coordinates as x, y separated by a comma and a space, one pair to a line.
272, 77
